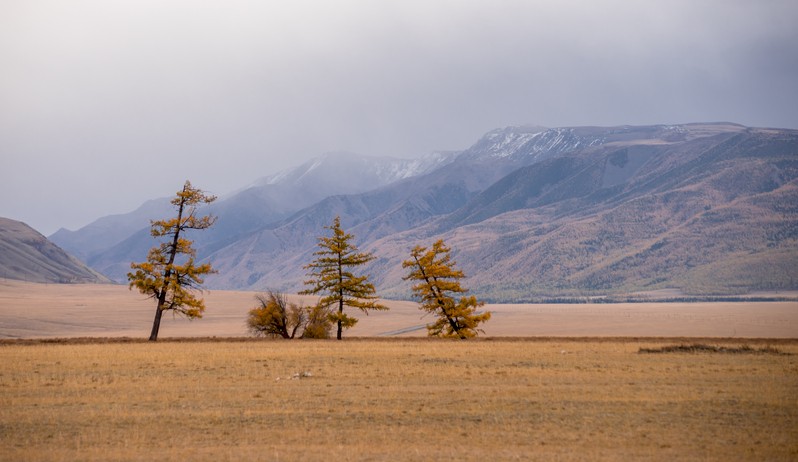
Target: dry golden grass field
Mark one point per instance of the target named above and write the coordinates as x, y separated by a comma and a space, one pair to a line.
527, 390
395, 399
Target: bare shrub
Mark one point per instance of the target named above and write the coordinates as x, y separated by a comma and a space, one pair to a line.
276, 317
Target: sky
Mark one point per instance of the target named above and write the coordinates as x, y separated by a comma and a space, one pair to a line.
105, 104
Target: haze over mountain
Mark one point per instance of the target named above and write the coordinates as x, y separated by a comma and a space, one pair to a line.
111, 243
528, 211
104, 104
26, 255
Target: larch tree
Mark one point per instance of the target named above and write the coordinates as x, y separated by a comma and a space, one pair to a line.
170, 274
437, 284
331, 274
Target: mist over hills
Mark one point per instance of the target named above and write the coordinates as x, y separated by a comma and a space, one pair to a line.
107, 231
528, 211
110, 243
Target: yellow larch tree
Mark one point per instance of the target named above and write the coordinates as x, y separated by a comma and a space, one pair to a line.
170, 274
437, 283
331, 274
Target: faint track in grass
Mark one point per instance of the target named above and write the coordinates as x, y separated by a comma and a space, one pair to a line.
402, 331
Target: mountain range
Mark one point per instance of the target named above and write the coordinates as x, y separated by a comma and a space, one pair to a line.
26, 255
706, 208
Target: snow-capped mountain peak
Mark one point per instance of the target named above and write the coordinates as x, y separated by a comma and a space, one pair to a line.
531, 143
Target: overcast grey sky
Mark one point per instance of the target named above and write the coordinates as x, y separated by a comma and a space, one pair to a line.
107, 103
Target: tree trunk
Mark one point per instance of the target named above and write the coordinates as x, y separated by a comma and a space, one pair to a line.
340, 326
340, 294
456, 329
156, 323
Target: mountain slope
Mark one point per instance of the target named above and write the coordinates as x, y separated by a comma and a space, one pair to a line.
716, 217
26, 255
530, 212
108, 231
397, 207
109, 244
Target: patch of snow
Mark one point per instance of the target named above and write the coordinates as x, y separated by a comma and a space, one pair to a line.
518, 142
276, 178
313, 166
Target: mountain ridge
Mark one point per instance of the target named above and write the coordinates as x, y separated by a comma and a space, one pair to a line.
26, 255
532, 211
645, 235
107, 242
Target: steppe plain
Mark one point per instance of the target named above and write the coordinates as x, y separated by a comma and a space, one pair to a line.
103, 310
545, 382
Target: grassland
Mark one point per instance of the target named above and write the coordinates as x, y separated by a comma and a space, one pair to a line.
395, 399
113, 396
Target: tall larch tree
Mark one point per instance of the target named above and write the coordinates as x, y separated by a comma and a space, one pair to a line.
170, 274
437, 284
331, 274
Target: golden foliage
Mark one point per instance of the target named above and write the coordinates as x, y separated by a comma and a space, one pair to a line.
437, 282
331, 274
163, 276
319, 323
276, 317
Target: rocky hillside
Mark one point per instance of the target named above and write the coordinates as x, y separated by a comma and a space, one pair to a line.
26, 255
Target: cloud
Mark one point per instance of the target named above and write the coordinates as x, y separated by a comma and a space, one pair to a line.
106, 104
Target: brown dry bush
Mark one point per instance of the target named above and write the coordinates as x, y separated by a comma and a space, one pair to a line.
703, 348
276, 317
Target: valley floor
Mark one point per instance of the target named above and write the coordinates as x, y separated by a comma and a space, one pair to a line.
95, 310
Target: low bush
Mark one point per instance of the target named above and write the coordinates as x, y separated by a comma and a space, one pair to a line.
703, 348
